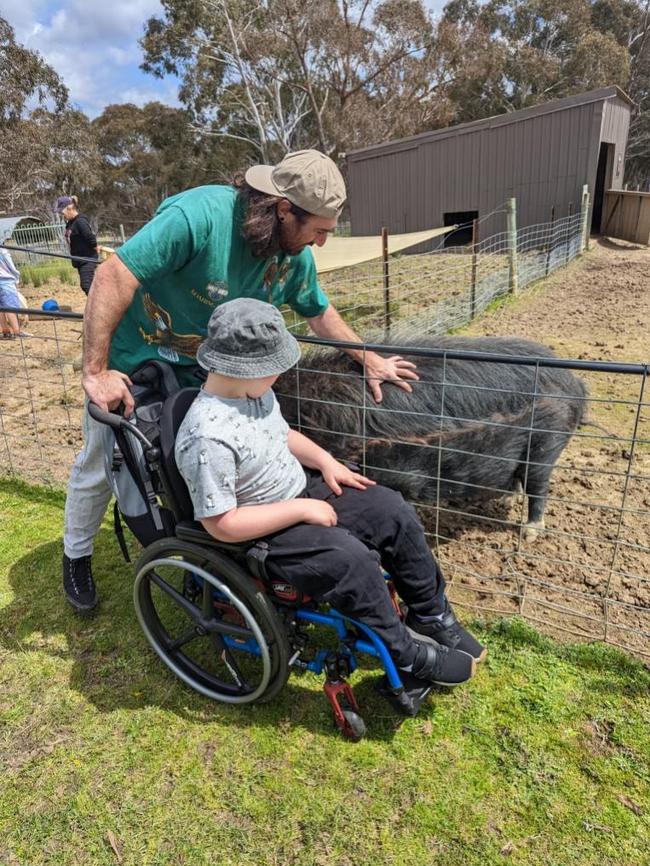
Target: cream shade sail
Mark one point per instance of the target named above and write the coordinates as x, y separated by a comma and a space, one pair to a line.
343, 252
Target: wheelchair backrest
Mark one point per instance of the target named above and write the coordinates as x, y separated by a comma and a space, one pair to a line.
150, 494
174, 411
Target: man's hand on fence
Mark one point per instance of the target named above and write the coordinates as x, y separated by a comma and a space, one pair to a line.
108, 389
395, 370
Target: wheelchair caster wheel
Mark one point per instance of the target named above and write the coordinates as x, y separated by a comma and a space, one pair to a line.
354, 727
344, 707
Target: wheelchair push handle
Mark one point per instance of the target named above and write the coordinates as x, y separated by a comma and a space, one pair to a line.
110, 418
118, 422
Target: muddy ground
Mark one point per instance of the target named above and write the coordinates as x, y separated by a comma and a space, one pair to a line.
587, 574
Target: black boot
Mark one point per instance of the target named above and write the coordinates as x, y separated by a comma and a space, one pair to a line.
78, 583
445, 630
438, 664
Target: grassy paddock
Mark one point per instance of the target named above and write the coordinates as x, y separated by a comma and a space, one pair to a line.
106, 758
38, 275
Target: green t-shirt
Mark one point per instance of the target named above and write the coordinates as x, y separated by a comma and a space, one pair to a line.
188, 259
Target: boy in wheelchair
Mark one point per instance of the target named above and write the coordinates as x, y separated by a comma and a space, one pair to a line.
324, 527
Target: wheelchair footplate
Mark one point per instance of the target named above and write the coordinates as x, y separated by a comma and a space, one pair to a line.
406, 700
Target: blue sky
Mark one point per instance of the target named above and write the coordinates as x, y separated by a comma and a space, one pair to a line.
94, 47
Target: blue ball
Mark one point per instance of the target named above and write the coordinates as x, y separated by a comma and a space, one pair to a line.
50, 305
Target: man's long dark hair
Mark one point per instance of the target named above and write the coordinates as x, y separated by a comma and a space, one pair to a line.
261, 226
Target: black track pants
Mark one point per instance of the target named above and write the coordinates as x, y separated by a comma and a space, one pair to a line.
86, 274
341, 564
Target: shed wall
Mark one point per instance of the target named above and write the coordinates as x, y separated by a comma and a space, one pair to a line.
615, 128
543, 160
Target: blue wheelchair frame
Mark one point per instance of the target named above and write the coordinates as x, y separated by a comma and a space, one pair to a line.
351, 644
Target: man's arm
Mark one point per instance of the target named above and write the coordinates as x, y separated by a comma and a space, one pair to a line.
109, 298
377, 368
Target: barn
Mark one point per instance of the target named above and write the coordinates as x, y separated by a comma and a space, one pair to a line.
541, 155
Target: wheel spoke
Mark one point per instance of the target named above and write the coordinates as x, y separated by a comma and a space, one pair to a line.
190, 609
184, 639
207, 609
221, 626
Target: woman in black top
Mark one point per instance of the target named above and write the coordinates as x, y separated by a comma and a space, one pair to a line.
80, 238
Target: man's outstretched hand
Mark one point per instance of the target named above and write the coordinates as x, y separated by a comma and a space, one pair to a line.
395, 370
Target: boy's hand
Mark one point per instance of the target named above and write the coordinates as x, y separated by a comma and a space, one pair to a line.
335, 474
319, 513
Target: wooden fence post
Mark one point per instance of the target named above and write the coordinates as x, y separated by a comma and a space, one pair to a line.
472, 296
584, 214
567, 234
386, 276
549, 241
511, 233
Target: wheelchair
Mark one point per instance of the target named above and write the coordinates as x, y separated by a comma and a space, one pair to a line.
208, 608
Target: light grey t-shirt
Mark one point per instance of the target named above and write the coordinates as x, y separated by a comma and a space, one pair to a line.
235, 452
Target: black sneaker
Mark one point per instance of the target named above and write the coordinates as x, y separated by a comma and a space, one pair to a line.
446, 631
78, 583
439, 664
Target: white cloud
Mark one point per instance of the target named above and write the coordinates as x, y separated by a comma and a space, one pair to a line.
158, 92
94, 47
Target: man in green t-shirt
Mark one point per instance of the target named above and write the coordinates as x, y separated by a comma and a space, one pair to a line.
154, 298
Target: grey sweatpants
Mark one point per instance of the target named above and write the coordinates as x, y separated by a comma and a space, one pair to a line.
88, 491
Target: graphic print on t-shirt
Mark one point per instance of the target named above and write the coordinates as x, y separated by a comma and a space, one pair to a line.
217, 290
275, 275
170, 344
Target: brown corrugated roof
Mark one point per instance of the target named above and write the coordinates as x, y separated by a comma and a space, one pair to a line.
603, 93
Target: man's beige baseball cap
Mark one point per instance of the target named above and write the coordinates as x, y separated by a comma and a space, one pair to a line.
308, 178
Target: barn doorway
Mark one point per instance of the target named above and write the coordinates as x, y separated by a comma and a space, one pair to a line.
603, 183
462, 236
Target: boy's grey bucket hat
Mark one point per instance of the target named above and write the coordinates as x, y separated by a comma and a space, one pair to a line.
247, 339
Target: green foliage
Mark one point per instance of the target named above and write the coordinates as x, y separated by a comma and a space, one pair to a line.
542, 760
257, 80
25, 76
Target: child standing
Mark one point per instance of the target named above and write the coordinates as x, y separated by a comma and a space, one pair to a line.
327, 527
9, 277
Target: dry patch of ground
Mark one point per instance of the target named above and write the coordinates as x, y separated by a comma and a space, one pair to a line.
590, 571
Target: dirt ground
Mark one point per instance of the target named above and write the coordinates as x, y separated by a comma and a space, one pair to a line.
594, 557
587, 574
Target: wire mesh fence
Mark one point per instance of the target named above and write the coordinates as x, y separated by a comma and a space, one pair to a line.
585, 573
448, 287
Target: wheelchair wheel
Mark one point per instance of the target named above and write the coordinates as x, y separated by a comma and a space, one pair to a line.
210, 623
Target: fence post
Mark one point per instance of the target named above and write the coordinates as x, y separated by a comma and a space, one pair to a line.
386, 276
122, 233
511, 230
549, 241
567, 234
472, 298
584, 213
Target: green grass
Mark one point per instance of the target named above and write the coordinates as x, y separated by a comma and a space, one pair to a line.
38, 275
105, 758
